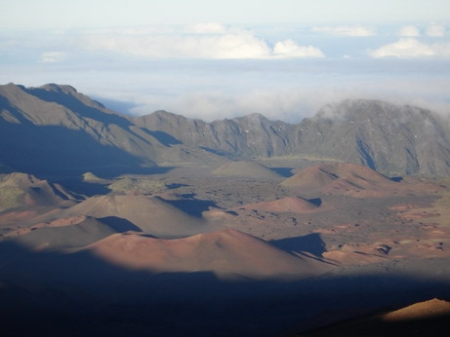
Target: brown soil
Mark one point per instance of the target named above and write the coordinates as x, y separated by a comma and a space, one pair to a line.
329, 224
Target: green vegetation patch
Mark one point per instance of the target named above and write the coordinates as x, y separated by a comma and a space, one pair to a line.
145, 186
10, 197
91, 177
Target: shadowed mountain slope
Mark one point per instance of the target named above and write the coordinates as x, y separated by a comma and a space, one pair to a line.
54, 129
86, 294
394, 140
40, 135
5, 169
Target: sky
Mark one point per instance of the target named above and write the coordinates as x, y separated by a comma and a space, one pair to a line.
222, 59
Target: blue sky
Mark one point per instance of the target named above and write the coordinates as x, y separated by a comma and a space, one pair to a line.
108, 13
215, 59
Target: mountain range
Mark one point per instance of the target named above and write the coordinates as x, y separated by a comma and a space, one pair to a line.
119, 225
53, 130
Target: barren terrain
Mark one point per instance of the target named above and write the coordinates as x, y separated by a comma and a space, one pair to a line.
220, 252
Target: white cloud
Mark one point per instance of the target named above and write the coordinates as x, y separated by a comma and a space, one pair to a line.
221, 89
283, 89
283, 104
442, 49
346, 30
409, 48
290, 49
409, 31
435, 30
52, 57
207, 28
294, 104
204, 41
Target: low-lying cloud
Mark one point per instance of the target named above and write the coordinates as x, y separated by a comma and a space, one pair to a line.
290, 49
435, 30
346, 30
412, 48
292, 104
409, 31
52, 57
215, 71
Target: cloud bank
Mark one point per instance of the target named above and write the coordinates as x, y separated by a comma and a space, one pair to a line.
52, 57
435, 30
294, 104
409, 31
357, 30
202, 41
412, 48
215, 71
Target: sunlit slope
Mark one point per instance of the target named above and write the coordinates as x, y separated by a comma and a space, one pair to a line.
61, 234
151, 215
227, 253
288, 204
245, 169
428, 318
24, 190
355, 181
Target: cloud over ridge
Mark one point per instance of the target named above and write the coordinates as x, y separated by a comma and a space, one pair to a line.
211, 70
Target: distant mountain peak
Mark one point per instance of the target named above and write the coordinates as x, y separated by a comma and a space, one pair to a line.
63, 88
367, 108
166, 114
254, 116
350, 107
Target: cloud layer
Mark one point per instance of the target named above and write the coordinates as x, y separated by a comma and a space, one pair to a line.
435, 30
357, 30
214, 71
409, 31
202, 41
412, 48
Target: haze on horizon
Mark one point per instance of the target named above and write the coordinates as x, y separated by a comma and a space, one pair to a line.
284, 59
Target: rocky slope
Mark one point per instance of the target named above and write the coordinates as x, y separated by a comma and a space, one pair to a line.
54, 129
249, 136
395, 140
19, 190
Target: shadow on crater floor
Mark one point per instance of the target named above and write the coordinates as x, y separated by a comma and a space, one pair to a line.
80, 294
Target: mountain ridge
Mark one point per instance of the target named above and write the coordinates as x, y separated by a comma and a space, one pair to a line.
55, 129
